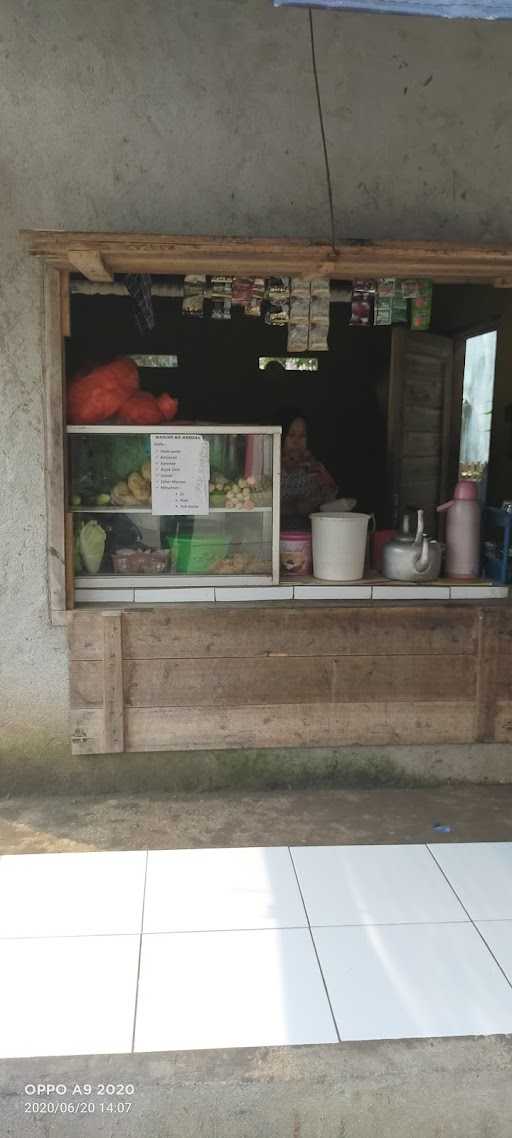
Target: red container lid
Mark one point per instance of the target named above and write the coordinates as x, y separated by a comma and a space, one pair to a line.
295, 535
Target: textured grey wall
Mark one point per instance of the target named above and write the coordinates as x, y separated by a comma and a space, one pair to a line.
199, 116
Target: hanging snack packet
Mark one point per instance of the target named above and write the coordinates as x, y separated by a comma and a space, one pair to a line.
369, 286
361, 305
383, 311
256, 297
278, 289
409, 289
300, 302
278, 294
221, 310
386, 287
221, 288
399, 310
421, 307
194, 287
319, 314
241, 292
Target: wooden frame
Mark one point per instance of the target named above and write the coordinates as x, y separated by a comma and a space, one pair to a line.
99, 255
59, 585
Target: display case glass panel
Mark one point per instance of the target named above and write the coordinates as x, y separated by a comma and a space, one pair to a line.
118, 535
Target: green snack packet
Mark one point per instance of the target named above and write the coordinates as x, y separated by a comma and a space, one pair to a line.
421, 307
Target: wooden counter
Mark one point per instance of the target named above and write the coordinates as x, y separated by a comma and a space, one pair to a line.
197, 676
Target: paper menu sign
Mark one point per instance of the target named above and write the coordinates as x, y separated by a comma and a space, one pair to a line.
180, 473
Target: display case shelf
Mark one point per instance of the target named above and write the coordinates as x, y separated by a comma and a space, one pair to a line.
147, 510
171, 429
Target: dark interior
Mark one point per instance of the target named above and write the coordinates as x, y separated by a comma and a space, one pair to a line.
218, 377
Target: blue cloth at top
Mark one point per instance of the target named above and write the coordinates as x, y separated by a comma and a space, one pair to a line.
453, 9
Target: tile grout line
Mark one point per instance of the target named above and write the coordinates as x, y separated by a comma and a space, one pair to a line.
472, 922
314, 947
140, 954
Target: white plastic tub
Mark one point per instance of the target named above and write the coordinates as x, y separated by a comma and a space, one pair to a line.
339, 545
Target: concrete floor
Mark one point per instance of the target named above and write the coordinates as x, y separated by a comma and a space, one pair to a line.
42, 824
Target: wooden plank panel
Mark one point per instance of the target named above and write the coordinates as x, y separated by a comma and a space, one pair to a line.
503, 722
488, 648
315, 724
428, 420
419, 469
87, 731
418, 444
292, 631
294, 679
425, 393
504, 633
113, 696
86, 683
85, 636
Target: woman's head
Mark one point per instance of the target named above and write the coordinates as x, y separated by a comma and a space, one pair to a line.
295, 438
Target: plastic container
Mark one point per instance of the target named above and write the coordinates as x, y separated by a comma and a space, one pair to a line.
295, 557
339, 545
196, 553
134, 561
463, 531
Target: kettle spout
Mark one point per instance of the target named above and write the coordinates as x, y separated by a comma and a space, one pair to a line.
422, 561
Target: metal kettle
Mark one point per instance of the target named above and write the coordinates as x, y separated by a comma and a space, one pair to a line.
409, 557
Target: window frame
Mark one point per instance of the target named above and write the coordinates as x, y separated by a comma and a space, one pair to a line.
99, 255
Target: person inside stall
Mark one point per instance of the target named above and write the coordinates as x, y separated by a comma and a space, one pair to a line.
305, 482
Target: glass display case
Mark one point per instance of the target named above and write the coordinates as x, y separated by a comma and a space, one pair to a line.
117, 493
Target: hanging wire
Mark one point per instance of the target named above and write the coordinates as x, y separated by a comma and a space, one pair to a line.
322, 131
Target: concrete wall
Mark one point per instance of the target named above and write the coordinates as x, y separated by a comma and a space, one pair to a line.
193, 116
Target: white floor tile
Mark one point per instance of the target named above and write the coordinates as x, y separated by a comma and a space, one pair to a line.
407, 981
481, 874
498, 935
360, 885
201, 890
237, 989
71, 894
67, 995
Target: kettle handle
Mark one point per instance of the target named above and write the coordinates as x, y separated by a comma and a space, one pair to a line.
445, 505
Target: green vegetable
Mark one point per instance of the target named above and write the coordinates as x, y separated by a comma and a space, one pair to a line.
91, 546
103, 499
76, 500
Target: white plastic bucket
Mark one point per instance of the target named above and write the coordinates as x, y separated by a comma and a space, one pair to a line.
339, 545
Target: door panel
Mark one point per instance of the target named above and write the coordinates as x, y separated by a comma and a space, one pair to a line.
419, 413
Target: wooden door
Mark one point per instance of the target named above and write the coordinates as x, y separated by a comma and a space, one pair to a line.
419, 423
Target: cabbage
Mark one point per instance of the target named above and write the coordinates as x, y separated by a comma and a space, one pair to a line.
91, 546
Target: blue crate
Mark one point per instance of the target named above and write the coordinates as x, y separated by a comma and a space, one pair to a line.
498, 569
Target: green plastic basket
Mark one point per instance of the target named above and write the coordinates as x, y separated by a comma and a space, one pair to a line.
196, 553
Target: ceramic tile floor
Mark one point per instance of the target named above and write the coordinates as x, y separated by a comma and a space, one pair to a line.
185, 949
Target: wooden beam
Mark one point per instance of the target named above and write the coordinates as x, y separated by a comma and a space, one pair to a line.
90, 263
167, 254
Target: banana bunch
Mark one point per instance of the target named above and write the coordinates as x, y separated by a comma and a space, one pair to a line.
136, 491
